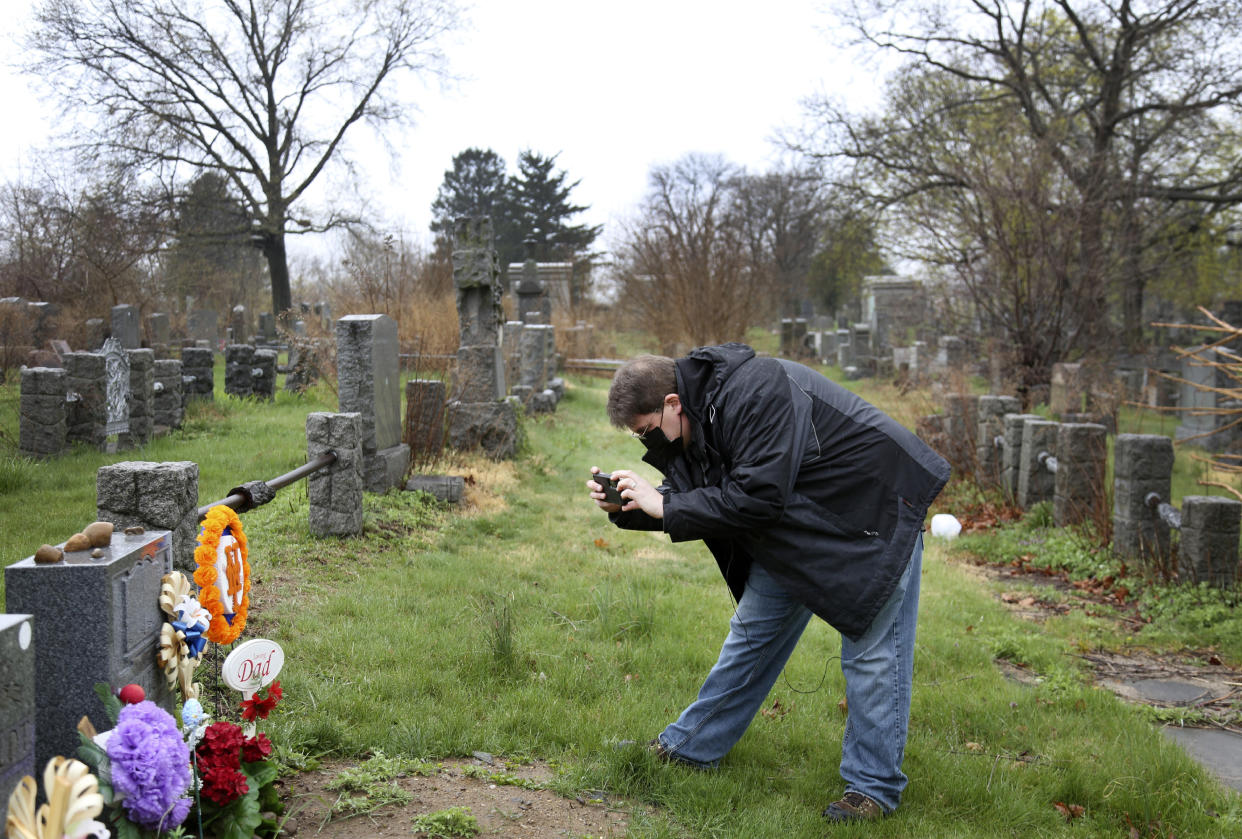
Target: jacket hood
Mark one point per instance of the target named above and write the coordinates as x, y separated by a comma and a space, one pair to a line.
704, 370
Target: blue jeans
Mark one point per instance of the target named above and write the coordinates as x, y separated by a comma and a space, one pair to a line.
878, 670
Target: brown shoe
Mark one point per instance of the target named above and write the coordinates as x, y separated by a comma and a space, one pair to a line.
853, 807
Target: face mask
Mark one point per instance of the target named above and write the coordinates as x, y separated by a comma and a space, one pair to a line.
657, 441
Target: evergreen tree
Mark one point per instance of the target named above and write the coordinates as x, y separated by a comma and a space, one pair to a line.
213, 257
541, 211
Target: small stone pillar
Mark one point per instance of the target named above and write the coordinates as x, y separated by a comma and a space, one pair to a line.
1082, 457
42, 426
263, 375
238, 370
125, 326
369, 383
990, 422
532, 296
1035, 483
141, 399
239, 322
1142, 464
17, 710
1065, 394
169, 401
961, 430
199, 362
155, 496
335, 493
424, 419
1011, 453
95, 620
1209, 546
86, 419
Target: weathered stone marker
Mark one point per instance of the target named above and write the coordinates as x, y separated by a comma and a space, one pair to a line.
95, 620
1082, 456
1142, 464
155, 496
369, 375
42, 427
335, 493
125, 326
477, 415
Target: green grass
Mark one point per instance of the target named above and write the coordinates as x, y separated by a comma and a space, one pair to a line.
540, 630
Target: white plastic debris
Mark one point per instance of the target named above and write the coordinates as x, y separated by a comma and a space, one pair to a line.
945, 526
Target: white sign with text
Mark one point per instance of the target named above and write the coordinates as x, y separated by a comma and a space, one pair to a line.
253, 664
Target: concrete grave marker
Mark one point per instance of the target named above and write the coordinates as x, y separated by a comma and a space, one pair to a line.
95, 620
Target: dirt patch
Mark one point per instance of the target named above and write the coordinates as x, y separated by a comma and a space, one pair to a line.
503, 809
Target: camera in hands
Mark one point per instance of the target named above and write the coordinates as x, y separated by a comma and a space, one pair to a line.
608, 485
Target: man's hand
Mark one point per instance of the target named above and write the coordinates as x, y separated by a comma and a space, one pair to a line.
598, 495
640, 494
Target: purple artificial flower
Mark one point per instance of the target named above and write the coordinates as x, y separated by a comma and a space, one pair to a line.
150, 766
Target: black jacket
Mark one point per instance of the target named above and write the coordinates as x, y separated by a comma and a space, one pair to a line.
788, 469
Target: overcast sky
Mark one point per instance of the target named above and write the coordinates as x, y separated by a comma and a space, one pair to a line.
612, 88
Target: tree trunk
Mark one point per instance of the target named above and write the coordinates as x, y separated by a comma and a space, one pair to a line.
278, 272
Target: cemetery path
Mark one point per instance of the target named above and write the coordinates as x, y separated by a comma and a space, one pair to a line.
507, 802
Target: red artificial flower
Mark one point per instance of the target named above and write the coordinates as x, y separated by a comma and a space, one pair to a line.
256, 748
223, 786
254, 707
221, 738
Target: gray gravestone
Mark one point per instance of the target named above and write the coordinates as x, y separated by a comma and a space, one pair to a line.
17, 704
157, 329
203, 326
96, 620
125, 328
95, 333
369, 383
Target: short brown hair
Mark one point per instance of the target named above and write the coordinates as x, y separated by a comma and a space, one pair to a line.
639, 387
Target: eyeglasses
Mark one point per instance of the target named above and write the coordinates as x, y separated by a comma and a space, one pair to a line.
642, 435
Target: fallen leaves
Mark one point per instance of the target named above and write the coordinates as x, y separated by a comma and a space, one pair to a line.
1070, 811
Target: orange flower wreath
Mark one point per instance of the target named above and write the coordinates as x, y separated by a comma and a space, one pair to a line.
218, 519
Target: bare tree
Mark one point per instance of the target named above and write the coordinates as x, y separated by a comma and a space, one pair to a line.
262, 92
1131, 105
684, 262
784, 217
